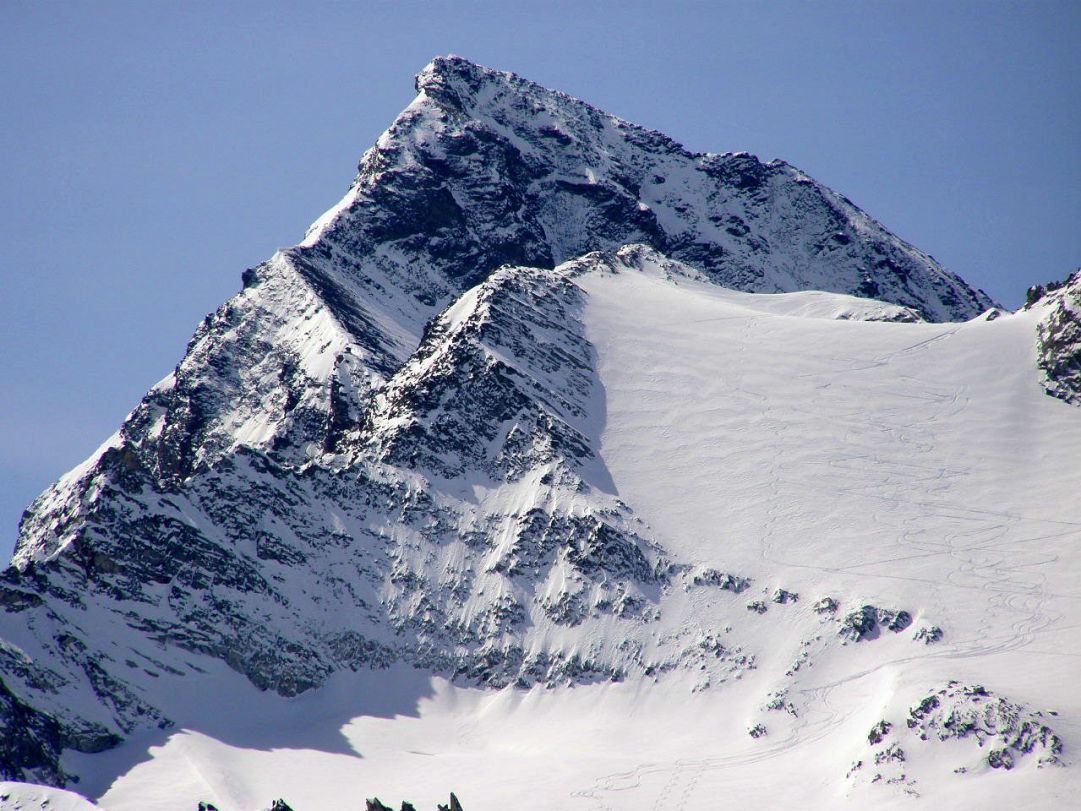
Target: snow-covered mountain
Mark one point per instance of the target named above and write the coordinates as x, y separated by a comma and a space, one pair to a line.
643, 475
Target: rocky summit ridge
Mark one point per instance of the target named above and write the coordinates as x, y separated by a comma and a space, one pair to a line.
482, 170
384, 448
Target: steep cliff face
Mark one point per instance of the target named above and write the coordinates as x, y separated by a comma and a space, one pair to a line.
387, 448
1058, 340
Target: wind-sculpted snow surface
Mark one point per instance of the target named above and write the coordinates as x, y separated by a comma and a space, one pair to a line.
418, 479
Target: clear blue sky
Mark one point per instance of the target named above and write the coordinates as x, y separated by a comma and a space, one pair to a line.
152, 151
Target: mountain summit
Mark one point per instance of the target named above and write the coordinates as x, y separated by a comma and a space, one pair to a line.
548, 402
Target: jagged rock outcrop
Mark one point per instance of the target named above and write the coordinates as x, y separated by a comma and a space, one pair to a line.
1058, 340
1008, 729
374, 804
866, 622
1004, 733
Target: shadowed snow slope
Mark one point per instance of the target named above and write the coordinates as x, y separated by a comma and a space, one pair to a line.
422, 509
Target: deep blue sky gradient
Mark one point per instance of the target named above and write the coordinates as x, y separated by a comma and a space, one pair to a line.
152, 151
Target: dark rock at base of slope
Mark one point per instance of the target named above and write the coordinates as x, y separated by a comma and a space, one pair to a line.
33, 740
31, 744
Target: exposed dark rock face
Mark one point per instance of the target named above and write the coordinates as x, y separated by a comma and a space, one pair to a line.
34, 738
1058, 340
31, 744
374, 804
878, 732
891, 754
867, 621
